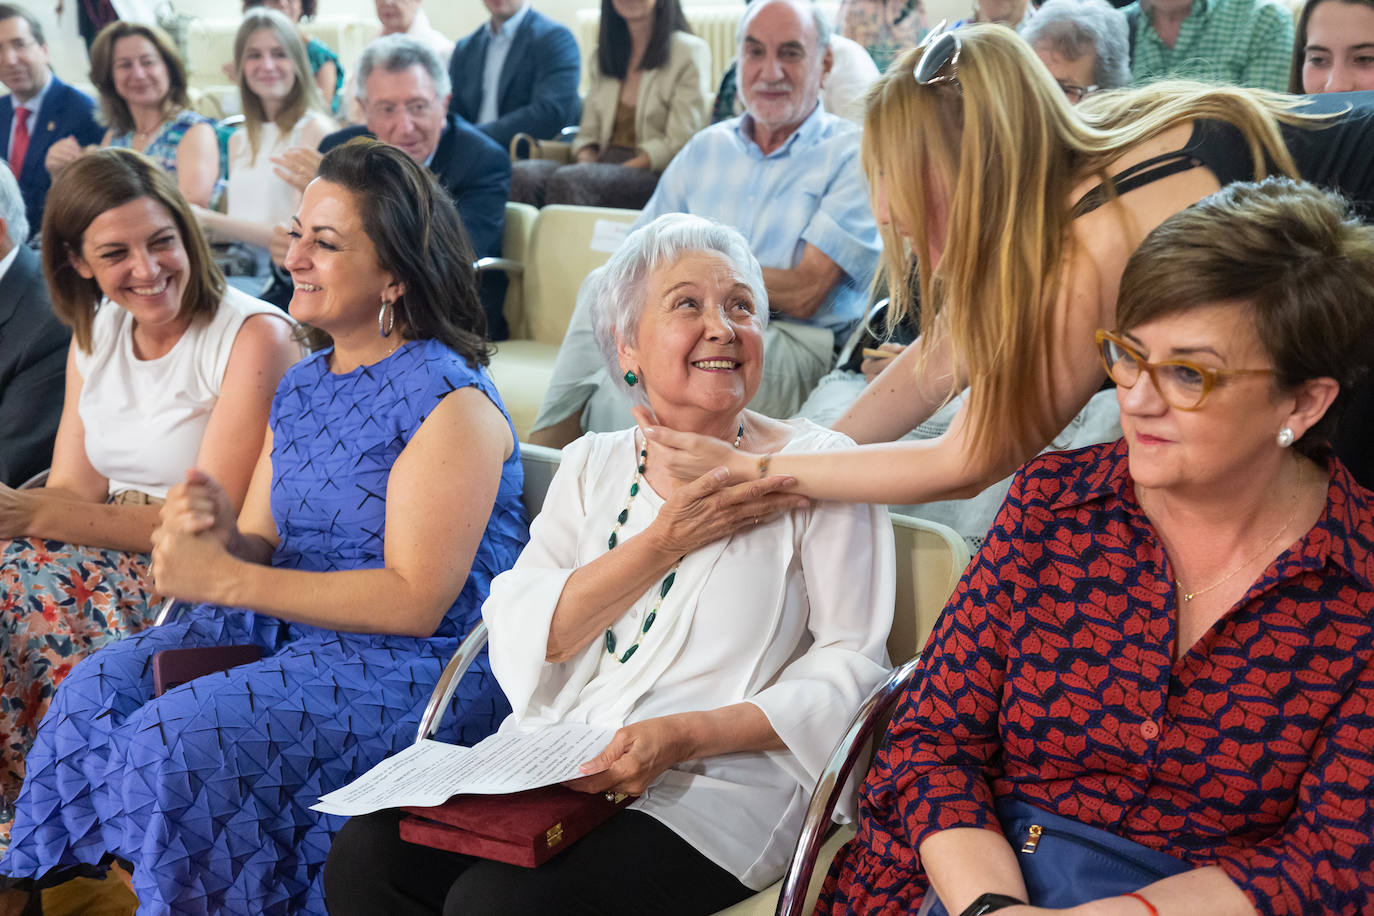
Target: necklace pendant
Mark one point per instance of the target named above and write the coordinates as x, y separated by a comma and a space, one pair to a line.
610, 641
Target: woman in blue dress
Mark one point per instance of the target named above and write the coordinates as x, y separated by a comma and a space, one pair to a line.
386, 499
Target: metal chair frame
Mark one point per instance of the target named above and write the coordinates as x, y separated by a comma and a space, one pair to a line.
871, 715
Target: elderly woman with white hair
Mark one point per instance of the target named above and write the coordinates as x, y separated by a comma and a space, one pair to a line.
1085, 44
728, 632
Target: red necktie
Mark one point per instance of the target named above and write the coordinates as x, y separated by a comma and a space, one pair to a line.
20, 143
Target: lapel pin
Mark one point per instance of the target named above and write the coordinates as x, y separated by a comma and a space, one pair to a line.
52, 125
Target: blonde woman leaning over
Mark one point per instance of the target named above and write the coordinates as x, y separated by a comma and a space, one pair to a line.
998, 193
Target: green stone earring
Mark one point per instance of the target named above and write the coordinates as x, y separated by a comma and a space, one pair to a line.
630, 378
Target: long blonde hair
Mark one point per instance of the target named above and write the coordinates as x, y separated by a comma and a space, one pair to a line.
304, 95
1007, 149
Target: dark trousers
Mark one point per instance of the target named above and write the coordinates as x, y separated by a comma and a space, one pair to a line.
584, 184
631, 865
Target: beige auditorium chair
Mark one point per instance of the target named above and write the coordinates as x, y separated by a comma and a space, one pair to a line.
930, 560
566, 244
515, 251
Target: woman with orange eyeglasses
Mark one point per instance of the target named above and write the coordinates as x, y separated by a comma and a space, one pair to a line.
1150, 694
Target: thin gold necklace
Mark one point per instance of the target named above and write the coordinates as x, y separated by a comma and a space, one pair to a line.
1297, 503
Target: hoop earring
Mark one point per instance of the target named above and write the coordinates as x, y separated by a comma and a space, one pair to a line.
386, 319
1285, 437
630, 378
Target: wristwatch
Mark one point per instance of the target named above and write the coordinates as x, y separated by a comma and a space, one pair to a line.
987, 903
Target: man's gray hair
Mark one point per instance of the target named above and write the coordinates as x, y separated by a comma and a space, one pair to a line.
1073, 28
616, 292
396, 53
824, 30
12, 209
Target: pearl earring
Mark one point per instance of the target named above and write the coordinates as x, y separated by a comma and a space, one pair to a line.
1285, 437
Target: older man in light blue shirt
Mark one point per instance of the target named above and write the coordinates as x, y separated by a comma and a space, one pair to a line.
786, 174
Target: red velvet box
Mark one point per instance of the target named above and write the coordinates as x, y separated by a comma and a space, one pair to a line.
522, 828
174, 667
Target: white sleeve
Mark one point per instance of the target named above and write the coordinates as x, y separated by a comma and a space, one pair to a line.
519, 609
848, 563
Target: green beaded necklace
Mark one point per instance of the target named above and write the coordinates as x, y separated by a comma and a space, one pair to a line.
667, 582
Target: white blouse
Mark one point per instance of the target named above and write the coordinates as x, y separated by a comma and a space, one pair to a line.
791, 615
144, 418
256, 192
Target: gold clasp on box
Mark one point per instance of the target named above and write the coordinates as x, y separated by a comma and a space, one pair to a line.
554, 836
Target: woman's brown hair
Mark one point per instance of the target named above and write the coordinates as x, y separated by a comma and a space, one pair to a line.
1300, 40
85, 188
113, 109
420, 241
1295, 255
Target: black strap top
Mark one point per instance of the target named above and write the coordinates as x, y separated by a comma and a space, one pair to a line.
1138, 175
1216, 145
1333, 153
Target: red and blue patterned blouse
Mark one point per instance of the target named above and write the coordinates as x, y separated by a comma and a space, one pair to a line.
1050, 677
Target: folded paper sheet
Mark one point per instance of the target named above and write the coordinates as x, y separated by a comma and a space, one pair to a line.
429, 772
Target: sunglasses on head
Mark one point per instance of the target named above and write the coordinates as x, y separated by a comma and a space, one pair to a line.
941, 51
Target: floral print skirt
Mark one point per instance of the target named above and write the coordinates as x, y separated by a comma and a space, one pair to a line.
58, 604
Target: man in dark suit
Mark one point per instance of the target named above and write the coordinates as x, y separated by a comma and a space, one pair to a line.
33, 349
518, 73
49, 109
404, 92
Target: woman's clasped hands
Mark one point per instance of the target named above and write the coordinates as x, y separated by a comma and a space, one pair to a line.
66, 150
191, 556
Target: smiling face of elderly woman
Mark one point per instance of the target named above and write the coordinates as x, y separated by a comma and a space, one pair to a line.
698, 347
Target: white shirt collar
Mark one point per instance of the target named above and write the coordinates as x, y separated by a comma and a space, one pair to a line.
8, 260
510, 25
36, 103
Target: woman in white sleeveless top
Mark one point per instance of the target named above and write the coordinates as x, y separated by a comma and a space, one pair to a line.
281, 109
168, 370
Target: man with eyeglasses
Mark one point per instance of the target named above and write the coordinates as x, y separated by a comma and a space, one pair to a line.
40, 109
786, 174
1083, 43
404, 92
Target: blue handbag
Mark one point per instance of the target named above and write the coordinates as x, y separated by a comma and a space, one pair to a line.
1065, 863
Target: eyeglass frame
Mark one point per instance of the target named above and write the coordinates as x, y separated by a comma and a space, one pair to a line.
1069, 89
931, 42
1209, 374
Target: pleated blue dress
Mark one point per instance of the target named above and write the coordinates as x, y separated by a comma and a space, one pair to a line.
206, 789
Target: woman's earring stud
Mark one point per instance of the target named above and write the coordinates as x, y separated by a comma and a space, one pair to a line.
1285, 437
630, 378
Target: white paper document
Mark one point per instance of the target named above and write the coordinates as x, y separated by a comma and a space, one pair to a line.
607, 234
429, 772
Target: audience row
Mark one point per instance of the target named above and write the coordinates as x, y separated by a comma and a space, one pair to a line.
351, 514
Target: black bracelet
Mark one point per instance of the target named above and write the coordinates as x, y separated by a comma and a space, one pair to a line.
987, 903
